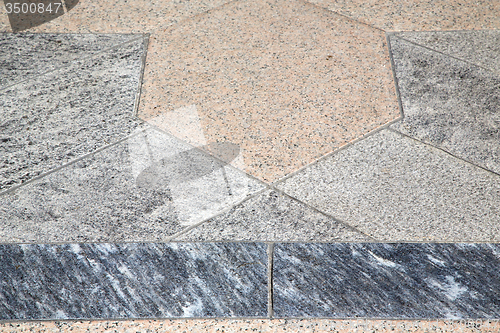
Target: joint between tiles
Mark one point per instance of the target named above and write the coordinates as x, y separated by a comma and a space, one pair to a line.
141, 75
396, 82
270, 257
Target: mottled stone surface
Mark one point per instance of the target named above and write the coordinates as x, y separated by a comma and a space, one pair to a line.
78, 281
395, 15
478, 47
103, 198
394, 188
58, 117
125, 16
272, 217
259, 325
26, 55
449, 103
386, 280
286, 81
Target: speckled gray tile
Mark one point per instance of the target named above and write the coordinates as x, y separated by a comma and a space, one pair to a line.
25, 55
77, 281
104, 197
480, 47
273, 217
399, 281
57, 117
394, 188
449, 103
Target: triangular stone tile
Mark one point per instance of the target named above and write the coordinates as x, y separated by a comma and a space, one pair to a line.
448, 103
481, 47
26, 55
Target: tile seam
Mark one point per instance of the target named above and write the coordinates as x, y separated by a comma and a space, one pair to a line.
444, 151
393, 70
141, 76
44, 174
442, 53
270, 261
75, 62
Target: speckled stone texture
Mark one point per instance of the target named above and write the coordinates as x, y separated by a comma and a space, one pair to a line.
400, 281
481, 48
395, 15
394, 188
449, 103
65, 114
286, 81
272, 216
78, 281
26, 55
103, 198
124, 16
4, 19
259, 325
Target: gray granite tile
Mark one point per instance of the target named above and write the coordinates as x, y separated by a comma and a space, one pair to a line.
480, 47
398, 281
25, 55
394, 188
449, 103
60, 116
273, 217
103, 198
83, 281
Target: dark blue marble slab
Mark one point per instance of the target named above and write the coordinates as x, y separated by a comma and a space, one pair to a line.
79, 281
399, 281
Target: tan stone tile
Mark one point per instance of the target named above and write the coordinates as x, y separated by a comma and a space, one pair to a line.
286, 81
4, 19
396, 15
257, 325
125, 16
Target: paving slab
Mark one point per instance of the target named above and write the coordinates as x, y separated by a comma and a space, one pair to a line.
63, 115
479, 47
415, 15
394, 188
449, 103
272, 217
27, 55
286, 81
146, 188
79, 281
398, 281
124, 16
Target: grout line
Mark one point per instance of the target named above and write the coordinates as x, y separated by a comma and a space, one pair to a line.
442, 53
395, 77
270, 263
141, 76
347, 145
341, 15
348, 226
44, 174
76, 62
224, 211
444, 151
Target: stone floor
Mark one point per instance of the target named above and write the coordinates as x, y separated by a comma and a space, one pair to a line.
264, 165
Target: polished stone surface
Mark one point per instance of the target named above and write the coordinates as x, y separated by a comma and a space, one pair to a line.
286, 81
104, 197
272, 217
26, 55
395, 15
79, 281
449, 104
481, 48
394, 188
65, 114
386, 280
310, 325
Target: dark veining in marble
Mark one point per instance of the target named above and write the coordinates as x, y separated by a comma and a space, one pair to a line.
77, 281
449, 103
387, 280
25, 55
60, 116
